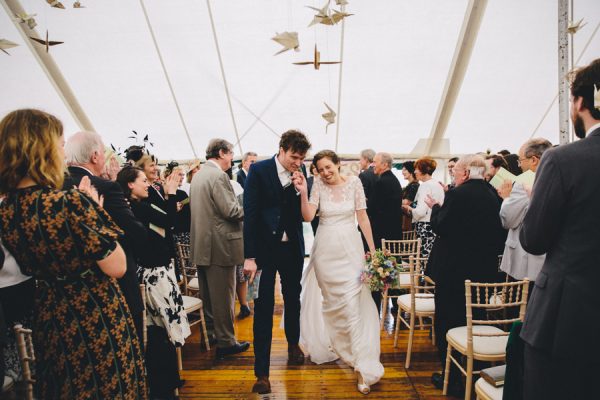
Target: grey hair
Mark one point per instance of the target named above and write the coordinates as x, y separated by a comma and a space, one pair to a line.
473, 163
368, 154
386, 158
248, 154
215, 145
536, 147
80, 147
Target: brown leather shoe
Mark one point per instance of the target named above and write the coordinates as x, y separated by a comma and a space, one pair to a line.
295, 355
262, 385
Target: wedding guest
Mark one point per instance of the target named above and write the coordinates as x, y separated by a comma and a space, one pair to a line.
494, 162
167, 324
80, 314
451, 164
367, 174
248, 159
421, 213
512, 162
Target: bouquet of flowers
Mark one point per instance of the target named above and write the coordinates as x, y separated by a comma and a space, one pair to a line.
381, 270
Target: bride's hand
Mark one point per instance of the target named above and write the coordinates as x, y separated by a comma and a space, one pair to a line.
299, 182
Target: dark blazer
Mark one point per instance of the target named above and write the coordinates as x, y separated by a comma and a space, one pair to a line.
263, 198
135, 237
563, 221
241, 177
368, 179
384, 207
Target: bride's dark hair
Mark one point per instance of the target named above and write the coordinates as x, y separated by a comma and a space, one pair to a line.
326, 154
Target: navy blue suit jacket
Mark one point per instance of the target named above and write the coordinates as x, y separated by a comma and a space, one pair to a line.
263, 198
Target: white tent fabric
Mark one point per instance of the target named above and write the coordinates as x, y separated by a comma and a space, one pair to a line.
396, 59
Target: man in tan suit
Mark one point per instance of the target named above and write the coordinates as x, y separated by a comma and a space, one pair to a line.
216, 244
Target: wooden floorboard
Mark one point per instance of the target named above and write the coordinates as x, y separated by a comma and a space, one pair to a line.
232, 378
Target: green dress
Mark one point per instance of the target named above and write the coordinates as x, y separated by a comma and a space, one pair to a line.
84, 338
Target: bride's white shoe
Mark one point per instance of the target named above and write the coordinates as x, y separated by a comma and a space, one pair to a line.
362, 386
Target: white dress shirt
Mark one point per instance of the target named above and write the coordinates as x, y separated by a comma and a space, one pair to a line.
285, 177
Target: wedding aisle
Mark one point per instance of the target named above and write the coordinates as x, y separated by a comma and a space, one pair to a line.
207, 378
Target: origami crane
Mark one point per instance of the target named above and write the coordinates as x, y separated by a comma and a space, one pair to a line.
317, 60
77, 4
46, 42
55, 4
575, 26
329, 116
336, 17
341, 2
6, 44
325, 17
289, 41
25, 18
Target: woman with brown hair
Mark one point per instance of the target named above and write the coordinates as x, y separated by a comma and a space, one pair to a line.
84, 337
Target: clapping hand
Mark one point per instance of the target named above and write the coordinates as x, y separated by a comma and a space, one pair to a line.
171, 184
430, 201
86, 187
505, 189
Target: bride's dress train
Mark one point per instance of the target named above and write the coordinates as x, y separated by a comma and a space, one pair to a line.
338, 317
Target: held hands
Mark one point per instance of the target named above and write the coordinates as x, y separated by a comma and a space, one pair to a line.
299, 182
250, 269
505, 189
86, 187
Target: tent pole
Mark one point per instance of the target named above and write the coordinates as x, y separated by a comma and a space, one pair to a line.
563, 70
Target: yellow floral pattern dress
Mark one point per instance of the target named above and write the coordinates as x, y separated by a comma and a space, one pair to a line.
84, 337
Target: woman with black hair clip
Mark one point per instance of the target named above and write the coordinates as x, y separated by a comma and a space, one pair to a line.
167, 321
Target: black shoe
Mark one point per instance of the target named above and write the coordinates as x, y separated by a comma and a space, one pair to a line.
244, 312
235, 349
454, 389
438, 380
212, 341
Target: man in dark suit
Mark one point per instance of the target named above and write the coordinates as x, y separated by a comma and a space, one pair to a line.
367, 175
84, 152
274, 242
248, 159
562, 328
384, 208
469, 232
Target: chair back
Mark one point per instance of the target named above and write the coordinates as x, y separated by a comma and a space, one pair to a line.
402, 249
26, 356
409, 235
189, 271
421, 286
494, 296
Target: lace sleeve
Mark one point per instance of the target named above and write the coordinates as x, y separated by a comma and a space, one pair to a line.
360, 201
315, 192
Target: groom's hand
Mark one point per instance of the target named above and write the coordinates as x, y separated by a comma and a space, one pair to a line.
250, 269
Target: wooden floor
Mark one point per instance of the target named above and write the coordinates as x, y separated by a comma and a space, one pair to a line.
207, 378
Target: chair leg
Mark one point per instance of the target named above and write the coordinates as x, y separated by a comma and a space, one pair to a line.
411, 333
420, 322
447, 369
397, 328
384, 304
433, 331
179, 362
469, 378
204, 333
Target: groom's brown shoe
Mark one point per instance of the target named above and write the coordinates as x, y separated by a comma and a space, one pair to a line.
295, 355
262, 385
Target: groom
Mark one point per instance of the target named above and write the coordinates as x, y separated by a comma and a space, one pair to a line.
273, 242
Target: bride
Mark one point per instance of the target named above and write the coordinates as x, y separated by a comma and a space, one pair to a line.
338, 317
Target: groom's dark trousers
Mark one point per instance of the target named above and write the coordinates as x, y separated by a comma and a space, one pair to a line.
272, 214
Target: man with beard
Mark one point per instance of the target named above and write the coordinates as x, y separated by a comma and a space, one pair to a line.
561, 329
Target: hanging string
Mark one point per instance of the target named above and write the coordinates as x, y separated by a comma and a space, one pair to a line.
339, 104
214, 31
556, 97
162, 63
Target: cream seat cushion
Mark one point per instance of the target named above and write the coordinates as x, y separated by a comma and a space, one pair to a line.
193, 284
486, 391
191, 302
424, 303
488, 345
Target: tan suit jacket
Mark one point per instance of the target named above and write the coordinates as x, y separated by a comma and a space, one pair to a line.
216, 229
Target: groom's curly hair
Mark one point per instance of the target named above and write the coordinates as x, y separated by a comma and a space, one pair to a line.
294, 140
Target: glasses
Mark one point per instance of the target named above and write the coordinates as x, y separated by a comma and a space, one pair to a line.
520, 160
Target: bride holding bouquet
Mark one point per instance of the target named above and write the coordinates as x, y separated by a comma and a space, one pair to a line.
338, 317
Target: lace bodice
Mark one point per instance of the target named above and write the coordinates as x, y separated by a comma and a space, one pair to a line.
337, 203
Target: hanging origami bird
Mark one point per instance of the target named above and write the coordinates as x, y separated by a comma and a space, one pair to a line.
341, 2
55, 4
289, 41
25, 18
575, 26
316, 62
77, 4
6, 44
46, 42
329, 116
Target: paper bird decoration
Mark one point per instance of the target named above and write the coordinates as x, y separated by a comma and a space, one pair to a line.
575, 26
25, 18
77, 4
46, 42
336, 17
289, 41
341, 2
596, 98
329, 116
325, 17
6, 44
55, 4
317, 60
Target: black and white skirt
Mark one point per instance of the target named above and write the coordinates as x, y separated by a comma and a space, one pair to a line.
164, 304
425, 233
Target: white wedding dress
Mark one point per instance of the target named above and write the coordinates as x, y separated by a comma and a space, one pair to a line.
338, 317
